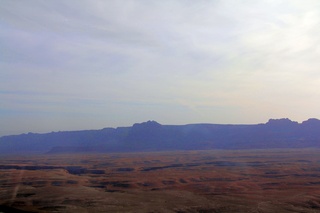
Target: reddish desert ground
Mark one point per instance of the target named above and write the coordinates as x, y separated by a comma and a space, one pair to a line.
277, 180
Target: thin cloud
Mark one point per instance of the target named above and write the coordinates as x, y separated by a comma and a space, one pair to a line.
129, 61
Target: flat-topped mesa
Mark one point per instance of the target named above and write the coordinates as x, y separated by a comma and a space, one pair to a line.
148, 124
283, 122
311, 122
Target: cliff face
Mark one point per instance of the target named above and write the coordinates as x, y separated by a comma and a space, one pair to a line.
152, 136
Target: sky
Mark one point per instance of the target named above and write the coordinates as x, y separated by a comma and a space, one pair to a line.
90, 64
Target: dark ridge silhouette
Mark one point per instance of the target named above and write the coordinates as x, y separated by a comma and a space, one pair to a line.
152, 136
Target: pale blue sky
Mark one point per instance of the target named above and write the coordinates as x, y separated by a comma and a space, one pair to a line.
74, 64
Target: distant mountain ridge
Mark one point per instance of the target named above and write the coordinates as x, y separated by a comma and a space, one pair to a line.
152, 136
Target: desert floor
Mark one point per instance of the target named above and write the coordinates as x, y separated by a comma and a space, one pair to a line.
276, 180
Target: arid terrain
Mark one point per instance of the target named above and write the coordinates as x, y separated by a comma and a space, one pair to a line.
275, 180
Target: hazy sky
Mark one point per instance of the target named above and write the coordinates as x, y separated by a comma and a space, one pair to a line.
68, 65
